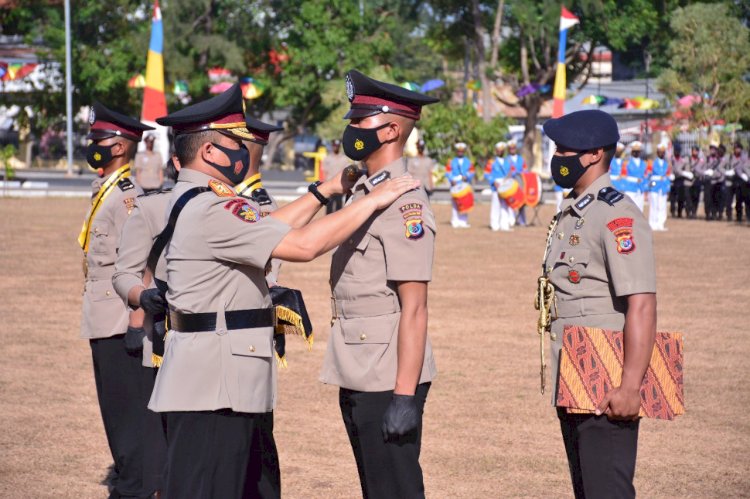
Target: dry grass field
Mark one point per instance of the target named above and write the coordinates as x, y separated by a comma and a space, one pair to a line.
488, 431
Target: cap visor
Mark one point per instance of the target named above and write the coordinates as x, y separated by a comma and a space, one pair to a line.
361, 113
100, 134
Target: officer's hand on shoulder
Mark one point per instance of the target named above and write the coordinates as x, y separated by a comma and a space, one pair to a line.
401, 417
152, 301
388, 191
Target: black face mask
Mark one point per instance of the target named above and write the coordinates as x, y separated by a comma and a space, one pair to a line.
566, 170
361, 142
98, 156
239, 163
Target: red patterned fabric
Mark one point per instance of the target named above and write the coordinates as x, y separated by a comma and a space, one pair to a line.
591, 364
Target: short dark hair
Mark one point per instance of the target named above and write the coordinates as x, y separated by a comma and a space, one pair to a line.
186, 145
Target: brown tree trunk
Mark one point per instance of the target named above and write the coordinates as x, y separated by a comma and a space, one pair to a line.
274, 142
481, 61
532, 104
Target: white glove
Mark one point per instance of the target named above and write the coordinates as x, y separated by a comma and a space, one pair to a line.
709, 172
744, 176
688, 175
671, 177
729, 173
457, 179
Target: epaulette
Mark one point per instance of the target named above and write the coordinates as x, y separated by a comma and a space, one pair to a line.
261, 196
125, 184
155, 191
610, 195
221, 189
384, 175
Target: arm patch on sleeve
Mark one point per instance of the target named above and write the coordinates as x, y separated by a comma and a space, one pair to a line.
412, 214
610, 195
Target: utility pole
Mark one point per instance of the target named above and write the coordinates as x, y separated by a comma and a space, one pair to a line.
68, 90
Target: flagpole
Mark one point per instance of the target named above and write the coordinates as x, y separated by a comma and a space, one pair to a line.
68, 90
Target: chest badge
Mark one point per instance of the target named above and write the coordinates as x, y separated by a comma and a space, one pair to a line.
574, 276
574, 239
579, 223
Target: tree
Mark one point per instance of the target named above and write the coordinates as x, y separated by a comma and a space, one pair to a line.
108, 47
710, 57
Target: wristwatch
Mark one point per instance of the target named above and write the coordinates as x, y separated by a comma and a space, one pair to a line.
313, 188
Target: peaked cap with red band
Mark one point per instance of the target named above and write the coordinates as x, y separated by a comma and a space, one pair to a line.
224, 113
106, 123
260, 129
369, 97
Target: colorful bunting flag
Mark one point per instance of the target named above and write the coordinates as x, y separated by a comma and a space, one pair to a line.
567, 21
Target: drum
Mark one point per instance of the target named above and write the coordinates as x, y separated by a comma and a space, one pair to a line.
463, 196
509, 191
531, 185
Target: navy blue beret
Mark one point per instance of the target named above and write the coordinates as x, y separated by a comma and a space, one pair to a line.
583, 130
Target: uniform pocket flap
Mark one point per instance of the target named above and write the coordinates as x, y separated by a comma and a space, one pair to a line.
101, 290
370, 330
361, 245
573, 257
251, 343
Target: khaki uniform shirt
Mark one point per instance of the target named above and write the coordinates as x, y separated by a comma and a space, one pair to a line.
601, 252
215, 263
395, 244
267, 206
698, 167
104, 314
679, 168
333, 164
147, 220
741, 167
147, 167
421, 167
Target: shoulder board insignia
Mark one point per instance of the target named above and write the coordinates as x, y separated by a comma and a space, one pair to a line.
384, 175
261, 196
125, 184
155, 191
610, 195
221, 189
585, 201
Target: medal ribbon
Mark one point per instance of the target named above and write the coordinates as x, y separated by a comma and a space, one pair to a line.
96, 203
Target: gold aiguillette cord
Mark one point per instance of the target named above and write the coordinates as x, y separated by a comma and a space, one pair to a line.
544, 301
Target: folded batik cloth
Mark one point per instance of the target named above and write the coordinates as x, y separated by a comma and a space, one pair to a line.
591, 362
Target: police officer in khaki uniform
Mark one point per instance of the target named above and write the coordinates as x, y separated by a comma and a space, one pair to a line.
600, 261
741, 164
696, 167
217, 382
130, 280
105, 318
421, 167
378, 352
332, 164
252, 186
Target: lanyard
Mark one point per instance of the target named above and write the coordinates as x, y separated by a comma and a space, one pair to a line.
96, 203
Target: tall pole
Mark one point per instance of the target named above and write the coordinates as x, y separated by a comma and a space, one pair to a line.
68, 89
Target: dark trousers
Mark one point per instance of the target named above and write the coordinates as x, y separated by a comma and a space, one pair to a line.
121, 386
601, 455
695, 197
680, 198
743, 200
154, 436
221, 454
386, 470
713, 199
335, 203
733, 194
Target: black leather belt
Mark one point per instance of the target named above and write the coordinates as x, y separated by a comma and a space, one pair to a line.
235, 319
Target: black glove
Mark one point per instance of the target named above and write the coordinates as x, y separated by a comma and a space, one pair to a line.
152, 301
134, 339
401, 417
160, 329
